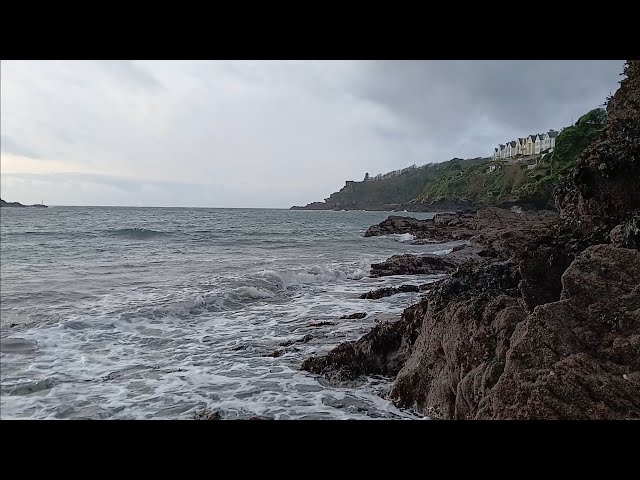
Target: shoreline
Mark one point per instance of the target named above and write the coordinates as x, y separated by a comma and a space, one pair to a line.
546, 324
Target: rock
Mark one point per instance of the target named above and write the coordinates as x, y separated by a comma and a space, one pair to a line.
388, 291
319, 324
543, 320
568, 359
304, 339
382, 351
627, 234
604, 186
353, 316
413, 265
207, 414
276, 353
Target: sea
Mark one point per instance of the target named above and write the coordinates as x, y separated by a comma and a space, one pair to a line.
165, 313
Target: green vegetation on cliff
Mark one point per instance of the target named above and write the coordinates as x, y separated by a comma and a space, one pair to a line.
391, 189
459, 181
515, 183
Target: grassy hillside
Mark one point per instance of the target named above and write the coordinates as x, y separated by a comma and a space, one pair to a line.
515, 184
393, 188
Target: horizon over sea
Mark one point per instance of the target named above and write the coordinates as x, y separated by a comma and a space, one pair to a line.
161, 312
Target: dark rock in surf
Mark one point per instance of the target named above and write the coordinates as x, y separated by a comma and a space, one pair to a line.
354, 316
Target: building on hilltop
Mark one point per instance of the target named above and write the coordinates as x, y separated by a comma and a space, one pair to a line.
525, 146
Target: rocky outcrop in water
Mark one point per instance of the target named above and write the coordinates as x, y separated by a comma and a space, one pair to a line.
383, 351
547, 325
388, 291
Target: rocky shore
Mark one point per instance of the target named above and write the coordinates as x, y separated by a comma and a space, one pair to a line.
539, 317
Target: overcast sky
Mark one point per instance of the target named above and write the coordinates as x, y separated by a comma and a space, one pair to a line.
265, 133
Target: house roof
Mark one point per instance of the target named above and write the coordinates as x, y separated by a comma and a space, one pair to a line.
553, 133
513, 143
532, 137
501, 146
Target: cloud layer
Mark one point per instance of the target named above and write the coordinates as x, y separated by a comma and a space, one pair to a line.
265, 133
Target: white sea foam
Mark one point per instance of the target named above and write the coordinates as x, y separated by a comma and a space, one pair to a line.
404, 237
165, 328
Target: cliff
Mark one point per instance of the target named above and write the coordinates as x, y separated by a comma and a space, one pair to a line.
394, 190
544, 322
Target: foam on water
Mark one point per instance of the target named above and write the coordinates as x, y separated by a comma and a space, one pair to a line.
182, 329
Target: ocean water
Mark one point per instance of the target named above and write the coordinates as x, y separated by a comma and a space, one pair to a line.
159, 313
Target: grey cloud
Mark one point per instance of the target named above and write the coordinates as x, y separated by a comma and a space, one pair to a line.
273, 133
131, 74
8, 145
521, 95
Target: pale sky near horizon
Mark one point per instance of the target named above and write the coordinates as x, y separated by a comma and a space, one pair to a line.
265, 133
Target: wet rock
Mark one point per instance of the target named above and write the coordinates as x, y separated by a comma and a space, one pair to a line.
382, 351
627, 234
568, 360
319, 324
459, 353
276, 353
308, 337
413, 265
388, 291
207, 414
354, 316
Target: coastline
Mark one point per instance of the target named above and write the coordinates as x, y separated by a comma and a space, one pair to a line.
538, 318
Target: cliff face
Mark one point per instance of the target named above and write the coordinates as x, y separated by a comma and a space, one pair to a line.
393, 191
605, 184
547, 324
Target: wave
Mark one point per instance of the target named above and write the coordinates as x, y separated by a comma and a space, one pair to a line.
137, 233
253, 293
404, 237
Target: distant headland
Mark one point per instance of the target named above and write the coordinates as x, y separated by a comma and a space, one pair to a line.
16, 204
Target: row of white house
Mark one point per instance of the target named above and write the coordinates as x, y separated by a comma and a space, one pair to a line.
530, 145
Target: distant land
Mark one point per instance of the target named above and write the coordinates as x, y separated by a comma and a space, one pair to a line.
16, 204
462, 184
396, 191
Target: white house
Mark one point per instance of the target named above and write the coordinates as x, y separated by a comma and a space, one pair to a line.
538, 142
512, 149
521, 146
549, 141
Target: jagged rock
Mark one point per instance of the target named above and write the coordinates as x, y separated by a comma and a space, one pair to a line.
547, 324
627, 234
578, 358
207, 414
413, 265
354, 316
308, 337
382, 351
388, 291
319, 324
604, 186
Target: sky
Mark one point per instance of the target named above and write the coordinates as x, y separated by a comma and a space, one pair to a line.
263, 133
